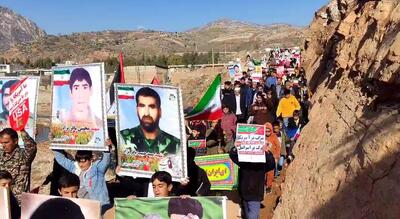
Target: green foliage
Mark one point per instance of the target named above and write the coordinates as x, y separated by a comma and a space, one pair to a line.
44, 63
191, 58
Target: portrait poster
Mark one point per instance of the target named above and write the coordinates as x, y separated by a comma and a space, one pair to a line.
250, 141
221, 171
256, 75
200, 146
280, 71
78, 119
150, 130
235, 71
32, 88
210, 207
5, 208
37, 206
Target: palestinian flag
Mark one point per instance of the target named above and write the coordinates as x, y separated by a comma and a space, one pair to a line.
61, 77
209, 107
126, 93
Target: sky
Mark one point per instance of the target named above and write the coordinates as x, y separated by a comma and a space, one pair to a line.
64, 17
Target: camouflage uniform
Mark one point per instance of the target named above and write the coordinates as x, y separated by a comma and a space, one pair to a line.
18, 163
164, 142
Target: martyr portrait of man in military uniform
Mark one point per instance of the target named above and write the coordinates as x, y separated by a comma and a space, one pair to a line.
147, 136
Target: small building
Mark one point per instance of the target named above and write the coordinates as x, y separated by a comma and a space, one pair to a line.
5, 69
145, 74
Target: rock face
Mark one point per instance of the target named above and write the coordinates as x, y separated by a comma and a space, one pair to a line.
16, 29
348, 158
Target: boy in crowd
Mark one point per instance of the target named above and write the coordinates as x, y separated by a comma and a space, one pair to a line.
91, 174
6, 182
287, 105
161, 184
284, 141
275, 150
68, 185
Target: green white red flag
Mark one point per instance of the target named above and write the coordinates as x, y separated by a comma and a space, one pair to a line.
61, 77
209, 107
126, 93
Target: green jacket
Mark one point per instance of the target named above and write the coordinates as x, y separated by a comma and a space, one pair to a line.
164, 142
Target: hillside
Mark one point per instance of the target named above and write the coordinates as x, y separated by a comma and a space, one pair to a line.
222, 35
15, 29
350, 167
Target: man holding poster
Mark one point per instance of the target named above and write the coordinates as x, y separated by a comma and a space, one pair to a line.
16, 160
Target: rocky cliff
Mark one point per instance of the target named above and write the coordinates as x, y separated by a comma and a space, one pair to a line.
348, 158
16, 29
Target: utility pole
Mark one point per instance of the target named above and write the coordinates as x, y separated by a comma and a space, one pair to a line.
212, 56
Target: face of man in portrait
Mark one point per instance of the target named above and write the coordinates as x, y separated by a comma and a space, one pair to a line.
81, 93
6, 98
236, 69
148, 112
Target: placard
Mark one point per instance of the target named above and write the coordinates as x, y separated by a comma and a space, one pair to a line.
235, 71
210, 207
5, 208
19, 105
200, 146
250, 141
78, 119
150, 130
35, 206
32, 88
221, 171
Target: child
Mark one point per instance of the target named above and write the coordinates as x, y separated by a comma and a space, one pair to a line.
161, 183
285, 142
275, 150
91, 174
6, 182
68, 185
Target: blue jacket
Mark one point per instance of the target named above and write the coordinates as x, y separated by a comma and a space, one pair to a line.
93, 179
271, 81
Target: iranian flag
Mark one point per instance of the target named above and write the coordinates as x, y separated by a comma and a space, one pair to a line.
126, 93
209, 107
61, 77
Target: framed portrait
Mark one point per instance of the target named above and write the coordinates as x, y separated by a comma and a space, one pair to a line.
5, 203
209, 207
150, 130
5, 87
37, 206
78, 119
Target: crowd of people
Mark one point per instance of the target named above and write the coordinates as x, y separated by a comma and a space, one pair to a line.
279, 102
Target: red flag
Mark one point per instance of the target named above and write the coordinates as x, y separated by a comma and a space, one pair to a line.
121, 67
119, 77
155, 81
